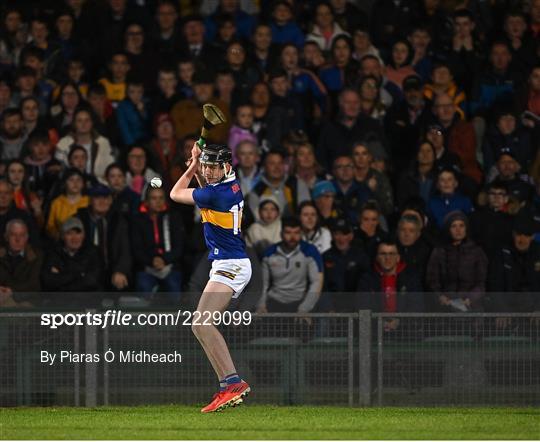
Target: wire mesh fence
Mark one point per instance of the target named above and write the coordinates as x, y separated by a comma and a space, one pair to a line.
458, 359
356, 359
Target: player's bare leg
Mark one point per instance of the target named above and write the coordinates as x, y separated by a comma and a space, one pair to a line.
216, 298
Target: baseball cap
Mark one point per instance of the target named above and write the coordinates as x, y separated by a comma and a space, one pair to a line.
412, 82
341, 225
99, 190
506, 151
72, 223
524, 225
321, 188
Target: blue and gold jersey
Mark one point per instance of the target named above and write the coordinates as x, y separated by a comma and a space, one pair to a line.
221, 207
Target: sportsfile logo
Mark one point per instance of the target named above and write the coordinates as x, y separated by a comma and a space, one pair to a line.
112, 318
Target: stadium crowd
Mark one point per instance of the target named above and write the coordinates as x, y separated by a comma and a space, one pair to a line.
387, 151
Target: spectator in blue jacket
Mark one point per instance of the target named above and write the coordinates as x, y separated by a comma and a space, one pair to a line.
284, 28
132, 114
244, 22
448, 198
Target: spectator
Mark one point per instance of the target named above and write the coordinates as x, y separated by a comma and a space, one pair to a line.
274, 181
267, 231
283, 27
67, 204
195, 45
312, 231
69, 99
244, 21
344, 263
369, 233
348, 15
242, 130
448, 199
167, 39
164, 146
20, 265
142, 61
8, 212
370, 98
350, 193
507, 170
343, 70
97, 147
491, 225
157, 243
372, 65
133, 114
325, 30
187, 114
323, 195
262, 51
138, 174
125, 200
105, 121
115, 82
443, 83
42, 169
391, 286
71, 267
78, 159
506, 132
23, 197
247, 159
400, 66
419, 179
513, 278
459, 135
456, 272
338, 135
404, 120
167, 95
11, 134
414, 250
107, 230
285, 290
245, 74
377, 182
362, 44
306, 169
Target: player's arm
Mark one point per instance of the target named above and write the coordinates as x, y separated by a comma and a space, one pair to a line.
180, 193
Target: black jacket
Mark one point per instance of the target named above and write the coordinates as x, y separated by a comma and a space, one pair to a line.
143, 246
514, 280
81, 272
341, 272
491, 230
117, 257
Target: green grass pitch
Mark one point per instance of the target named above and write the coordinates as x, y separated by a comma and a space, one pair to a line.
269, 422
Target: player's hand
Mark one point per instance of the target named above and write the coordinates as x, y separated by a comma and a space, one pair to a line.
195, 151
158, 263
119, 280
444, 300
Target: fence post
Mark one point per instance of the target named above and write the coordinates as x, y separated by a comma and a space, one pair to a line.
90, 369
350, 359
380, 361
76, 368
364, 356
105, 367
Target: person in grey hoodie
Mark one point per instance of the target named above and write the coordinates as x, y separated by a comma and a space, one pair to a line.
292, 273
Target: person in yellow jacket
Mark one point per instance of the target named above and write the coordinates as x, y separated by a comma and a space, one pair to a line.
443, 83
115, 84
66, 205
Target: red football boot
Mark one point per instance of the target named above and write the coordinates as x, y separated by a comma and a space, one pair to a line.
231, 397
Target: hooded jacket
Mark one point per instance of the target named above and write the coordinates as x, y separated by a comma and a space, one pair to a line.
458, 270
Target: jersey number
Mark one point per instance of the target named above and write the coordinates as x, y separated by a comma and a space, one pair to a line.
237, 216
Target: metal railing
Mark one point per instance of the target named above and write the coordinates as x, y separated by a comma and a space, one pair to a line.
356, 359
